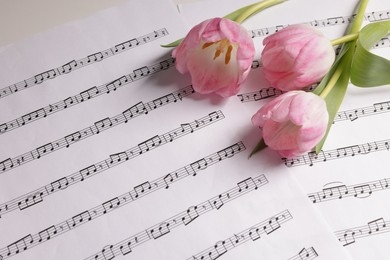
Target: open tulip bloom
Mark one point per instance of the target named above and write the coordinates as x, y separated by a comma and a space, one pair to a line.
218, 53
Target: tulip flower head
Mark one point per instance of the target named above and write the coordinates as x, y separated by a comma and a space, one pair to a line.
296, 57
218, 53
293, 123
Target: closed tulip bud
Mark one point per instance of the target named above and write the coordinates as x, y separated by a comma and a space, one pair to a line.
296, 57
293, 123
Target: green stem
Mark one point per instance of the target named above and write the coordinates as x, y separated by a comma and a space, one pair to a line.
345, 38
255, 8
358, 20
332, 82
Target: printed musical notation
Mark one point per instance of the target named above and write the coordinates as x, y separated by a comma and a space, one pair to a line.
184, 218
353, 114
343, 152
86, 95
32, 198
77, 64
253, 233
337, 190
137, 192
305, 254
375, 227
265, 93
332, 21
107, 123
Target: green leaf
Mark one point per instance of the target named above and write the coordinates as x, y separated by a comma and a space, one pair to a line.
336, 95
368, 69
260, 146
172, 44
234, 15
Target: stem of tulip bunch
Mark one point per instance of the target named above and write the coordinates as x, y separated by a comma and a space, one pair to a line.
345, 38
255, 8
332, 82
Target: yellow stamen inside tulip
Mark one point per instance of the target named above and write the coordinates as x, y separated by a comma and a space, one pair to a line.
224, 46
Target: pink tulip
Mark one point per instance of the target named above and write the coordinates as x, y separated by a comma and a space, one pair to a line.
296, 57
218, 54
293, 123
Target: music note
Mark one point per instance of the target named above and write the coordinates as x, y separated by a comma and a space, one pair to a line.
30, 200
245, 184
68, 102
376, 225
103, 124
79, 219
335, 20
108, 252
59, 184
219, 249
42, 150
272, 225
125, 249
198, 165
168, 179
95, 57
141, 72
336, 191
20, 245
47, 233
118, 157
348, 238
218, 202
161, 230
191, 215
149, 144
87, 172
72, 138
110, 205
6, 164
142, 188
254, 233
362, 191
68, 67
89, 93
33, 116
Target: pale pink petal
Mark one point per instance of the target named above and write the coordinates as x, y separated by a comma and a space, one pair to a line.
218, 53
293, 123
296, 57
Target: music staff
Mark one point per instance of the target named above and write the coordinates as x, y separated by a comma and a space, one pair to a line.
33, 198
77, 64
337, 190
137, 192
107, 123
349, 236
353, 114
186, 217
86, 95
305, 254
253, 233
343, 152
327, 22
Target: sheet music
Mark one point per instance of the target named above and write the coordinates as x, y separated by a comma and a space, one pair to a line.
119, 158
347, 181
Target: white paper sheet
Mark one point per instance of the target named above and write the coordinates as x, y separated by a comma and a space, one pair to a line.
347, 182
120, 155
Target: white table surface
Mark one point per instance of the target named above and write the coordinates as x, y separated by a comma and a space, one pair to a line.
22, 18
